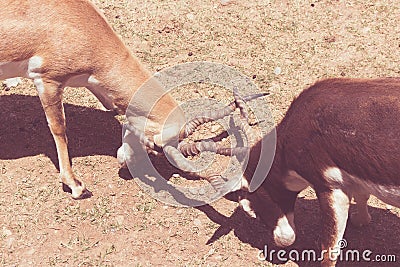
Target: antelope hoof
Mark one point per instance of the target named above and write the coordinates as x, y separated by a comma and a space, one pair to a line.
85, 194
78, 192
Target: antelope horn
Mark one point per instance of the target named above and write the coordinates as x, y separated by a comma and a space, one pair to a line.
196, 148
205, 117
240, 104
249, 132
213, 115
180, 161
219, 183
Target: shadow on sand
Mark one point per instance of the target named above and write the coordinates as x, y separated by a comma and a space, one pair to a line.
24, 132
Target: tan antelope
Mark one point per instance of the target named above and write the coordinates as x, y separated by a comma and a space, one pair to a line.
340, 136
70, 43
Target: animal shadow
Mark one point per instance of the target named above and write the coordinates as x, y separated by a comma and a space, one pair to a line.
381, 236
24, 131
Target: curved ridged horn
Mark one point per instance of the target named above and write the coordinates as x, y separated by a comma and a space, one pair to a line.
249, 132
196, 148
178, 155
239, 102
182, 163
244, 124
192, 149
214, 115
205, 117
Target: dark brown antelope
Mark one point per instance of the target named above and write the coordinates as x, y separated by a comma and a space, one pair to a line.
340, 136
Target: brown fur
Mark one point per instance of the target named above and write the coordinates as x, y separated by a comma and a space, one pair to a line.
349, 124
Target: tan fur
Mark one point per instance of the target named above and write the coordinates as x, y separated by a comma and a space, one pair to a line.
77, 46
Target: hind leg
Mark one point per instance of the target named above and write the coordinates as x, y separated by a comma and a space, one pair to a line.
334, 210
361, 216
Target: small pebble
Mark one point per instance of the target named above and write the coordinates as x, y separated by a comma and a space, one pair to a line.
30, 251
10, 242
120, 219
225, 2
277, 71
6, 232
190, 16
197, 222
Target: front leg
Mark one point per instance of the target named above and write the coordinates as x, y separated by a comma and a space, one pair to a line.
334, 209
285, 231
50, 94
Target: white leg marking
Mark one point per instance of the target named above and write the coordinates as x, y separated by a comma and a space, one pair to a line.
125, 152
284, 233
39, 85
333, 174
340, 206
95, 87
246, 206
34, 64
338, 203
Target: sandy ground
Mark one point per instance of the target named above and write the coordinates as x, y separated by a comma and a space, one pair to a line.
283, 46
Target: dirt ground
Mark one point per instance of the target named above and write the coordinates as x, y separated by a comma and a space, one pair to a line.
284, 46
